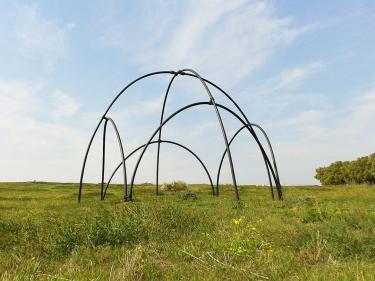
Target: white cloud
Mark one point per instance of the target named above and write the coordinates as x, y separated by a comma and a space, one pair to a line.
64, 105
141, 108
307, 117
285, 93
228, 39
17, 97
293, 78
37, 141
319, 138
33, 144
37, 38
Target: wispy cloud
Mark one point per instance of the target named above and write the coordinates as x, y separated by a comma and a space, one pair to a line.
37, 38
63, 105
32, 140
226, 39
314, 139
291, 79
285, 92
45, 124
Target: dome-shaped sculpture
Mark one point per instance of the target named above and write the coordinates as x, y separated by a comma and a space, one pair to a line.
271, 166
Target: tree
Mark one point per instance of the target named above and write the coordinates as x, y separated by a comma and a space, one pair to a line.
360, 171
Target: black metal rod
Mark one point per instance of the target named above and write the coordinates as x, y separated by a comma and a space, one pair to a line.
179, 111
101, 120
269, 146
232, 100
248, 127
223, 92
122, 157
273, 158
222, 160
193, 105
103, 160
85, 160
191, 73
152, 136
278, 185
221, 127
223, 156
182, 72
270, 180
163, 141
159, 137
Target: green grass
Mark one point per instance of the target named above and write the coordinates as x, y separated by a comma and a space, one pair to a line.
317, 233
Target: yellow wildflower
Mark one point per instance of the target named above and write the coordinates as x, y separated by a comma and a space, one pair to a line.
237, 221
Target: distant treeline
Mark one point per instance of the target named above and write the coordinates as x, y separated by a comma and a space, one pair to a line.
357, 171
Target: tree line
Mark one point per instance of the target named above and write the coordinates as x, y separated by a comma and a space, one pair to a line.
360, 171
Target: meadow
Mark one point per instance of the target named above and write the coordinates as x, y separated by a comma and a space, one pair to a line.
316, 233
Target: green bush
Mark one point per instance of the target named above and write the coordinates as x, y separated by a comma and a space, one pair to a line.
314, 215
360, 171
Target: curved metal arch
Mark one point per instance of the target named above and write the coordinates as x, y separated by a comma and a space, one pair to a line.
203, 80
103, 158
271, 151
182, 72
195, 74
275, 178
270, 147
122, 156
159, 136
153, 135
248, 123
103, 117
273, 158
185, 108
225, 94
163, 141
212, 102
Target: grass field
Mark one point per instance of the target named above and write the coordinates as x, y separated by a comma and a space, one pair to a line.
317, 233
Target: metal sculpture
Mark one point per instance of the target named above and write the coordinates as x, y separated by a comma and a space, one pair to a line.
271, 167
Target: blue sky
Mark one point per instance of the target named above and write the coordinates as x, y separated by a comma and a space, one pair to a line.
304, 70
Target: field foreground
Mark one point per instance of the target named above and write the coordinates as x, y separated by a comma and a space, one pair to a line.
316, 233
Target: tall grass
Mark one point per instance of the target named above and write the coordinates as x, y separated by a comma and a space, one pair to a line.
315, 234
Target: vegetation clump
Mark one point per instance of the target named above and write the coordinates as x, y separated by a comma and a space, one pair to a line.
189, 196
360, 171
315, 234
174, 186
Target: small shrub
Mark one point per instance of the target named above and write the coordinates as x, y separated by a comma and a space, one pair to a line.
309, 201
315, 214
174, 186
189, 196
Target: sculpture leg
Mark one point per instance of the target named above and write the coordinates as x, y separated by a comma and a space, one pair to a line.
103, 161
